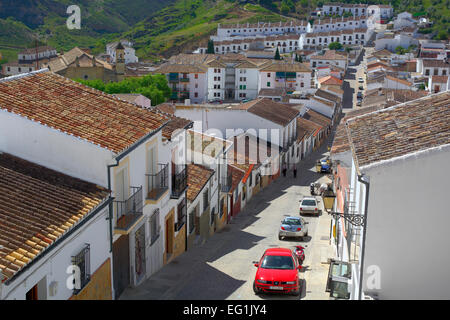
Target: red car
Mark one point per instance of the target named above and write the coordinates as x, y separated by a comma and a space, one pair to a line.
277, 272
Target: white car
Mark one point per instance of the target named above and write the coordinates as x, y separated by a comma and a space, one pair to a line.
360, 80
309, 205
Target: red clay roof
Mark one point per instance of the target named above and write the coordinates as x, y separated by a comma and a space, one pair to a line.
37, 207
403, 129
197, 177
270, 110
78, 110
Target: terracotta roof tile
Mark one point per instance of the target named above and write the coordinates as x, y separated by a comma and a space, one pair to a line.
270, 110
197, 177
38, 206
402, 129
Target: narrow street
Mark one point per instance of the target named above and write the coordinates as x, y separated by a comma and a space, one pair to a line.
222, 267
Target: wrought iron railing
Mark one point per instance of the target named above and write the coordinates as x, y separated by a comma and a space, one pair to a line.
179, 180
83, 263
131, 207
226, 183
158, 183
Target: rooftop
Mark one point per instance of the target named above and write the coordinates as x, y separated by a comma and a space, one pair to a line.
269, 110
78, 110
400, 130
37, 207
197, 177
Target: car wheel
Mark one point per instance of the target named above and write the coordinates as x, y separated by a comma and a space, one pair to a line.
255, 289
279, 237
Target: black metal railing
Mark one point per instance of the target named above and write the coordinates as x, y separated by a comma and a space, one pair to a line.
226, 183
179, 180
83, 263
158, 183
181, 215
128, 210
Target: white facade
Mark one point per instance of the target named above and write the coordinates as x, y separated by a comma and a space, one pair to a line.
84, 160
402, 263
31, 55
130, 52
50, 272
270, 80
390, 44
246, 83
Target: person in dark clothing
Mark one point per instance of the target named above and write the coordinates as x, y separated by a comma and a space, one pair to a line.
284, 169
295, 171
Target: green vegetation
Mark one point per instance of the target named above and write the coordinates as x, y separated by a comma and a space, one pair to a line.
335, 46
210, 48
277, 55
163, 28
154, 87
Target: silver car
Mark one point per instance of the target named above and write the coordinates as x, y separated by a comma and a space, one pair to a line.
309, 205
293, 227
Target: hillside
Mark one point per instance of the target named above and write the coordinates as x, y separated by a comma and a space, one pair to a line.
161, 28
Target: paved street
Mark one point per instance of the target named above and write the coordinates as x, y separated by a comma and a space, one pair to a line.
351, 84
222, 267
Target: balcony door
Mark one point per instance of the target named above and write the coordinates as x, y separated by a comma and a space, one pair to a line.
152, 161
122, 187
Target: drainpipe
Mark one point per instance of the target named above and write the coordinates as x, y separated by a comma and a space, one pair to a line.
366, 206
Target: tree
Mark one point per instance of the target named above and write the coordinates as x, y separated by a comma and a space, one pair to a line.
400, 50
210, 47
335, 46
277, 55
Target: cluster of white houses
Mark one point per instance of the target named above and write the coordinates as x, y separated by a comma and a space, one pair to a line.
118, 202
204, 78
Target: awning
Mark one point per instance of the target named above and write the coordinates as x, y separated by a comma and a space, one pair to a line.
247, 174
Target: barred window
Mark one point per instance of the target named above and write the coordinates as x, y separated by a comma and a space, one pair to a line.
83, 262
213, 212
205, 199
221, 207
191, 221
181, 215
155, 227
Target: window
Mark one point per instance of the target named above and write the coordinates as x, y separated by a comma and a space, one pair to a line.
268, 75
83, 262
181, 215
250, 179
444, 72
435, 72
205, 199
195, 94
212, 214
191, 220
196, 76
427, 72
155, 227
268, 84
196, 85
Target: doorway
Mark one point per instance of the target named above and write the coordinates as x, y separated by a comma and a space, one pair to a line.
121, 264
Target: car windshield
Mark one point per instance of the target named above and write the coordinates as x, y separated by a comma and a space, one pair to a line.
277, 262
308, 202
292, 221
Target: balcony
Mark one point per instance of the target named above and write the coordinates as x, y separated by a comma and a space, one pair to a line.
184, 79
158, 184
226, 183
129, 211
179, 181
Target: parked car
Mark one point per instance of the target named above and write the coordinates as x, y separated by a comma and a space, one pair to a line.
360, 80
361, 88
293, 227
325, 166
309, 205
359, 96
277, 272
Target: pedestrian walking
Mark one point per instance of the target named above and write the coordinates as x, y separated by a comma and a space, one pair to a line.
295, 171
284, 169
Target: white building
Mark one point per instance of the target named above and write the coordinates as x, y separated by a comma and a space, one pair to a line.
387, 160
29, 60
329, 58
391, 42
290, 76
404, 20
429, 67
52, 225
81, 138
130, 52
358, 36
225, 32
